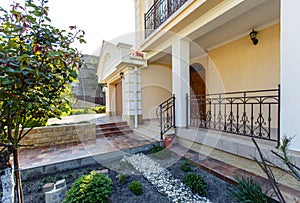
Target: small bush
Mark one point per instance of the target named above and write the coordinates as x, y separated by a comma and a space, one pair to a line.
90, 188
196, 183
82, 111
156, 148
77, 111
100, 109
186, 166
248, 191
47, 179
160, 152
136, 187
121, 178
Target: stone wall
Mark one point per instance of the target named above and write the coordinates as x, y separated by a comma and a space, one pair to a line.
57, 135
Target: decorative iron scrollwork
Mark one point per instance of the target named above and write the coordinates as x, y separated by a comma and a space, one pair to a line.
250, 113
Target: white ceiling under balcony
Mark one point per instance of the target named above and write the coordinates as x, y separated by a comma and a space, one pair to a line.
257, 17
234, 24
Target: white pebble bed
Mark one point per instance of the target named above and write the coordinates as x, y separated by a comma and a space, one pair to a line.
163, 180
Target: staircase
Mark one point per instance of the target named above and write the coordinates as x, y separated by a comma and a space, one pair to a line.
112, 129
150, 129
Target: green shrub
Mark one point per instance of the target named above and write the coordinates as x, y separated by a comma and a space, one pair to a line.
196, 183
156, 148
77, 111
136, 187
90, 188
100, 109
36, 123
160, 152
121, 178
47, 179
248, 191
186, 166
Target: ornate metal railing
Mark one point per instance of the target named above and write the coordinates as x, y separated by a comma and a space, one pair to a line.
159, 12
250, 113
166, 115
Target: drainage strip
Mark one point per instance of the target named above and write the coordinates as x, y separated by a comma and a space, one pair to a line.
163, 181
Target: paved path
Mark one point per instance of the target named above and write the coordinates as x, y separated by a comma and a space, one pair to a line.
47, 155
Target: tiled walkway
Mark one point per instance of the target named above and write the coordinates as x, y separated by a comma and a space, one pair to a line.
42, 156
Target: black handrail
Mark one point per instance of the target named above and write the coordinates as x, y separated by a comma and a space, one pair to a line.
249, 113
159, 12
166, 115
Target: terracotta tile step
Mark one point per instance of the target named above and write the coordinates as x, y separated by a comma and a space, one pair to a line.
112, 128
107, 125
114, 133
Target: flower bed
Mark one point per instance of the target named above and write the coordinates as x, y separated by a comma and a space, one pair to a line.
217, 189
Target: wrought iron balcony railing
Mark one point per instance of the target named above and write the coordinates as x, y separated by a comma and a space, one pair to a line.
159, 12
251, 113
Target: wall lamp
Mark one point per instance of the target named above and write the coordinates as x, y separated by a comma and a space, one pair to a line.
121, 75
252, 35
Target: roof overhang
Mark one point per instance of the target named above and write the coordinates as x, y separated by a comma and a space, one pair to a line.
114, 58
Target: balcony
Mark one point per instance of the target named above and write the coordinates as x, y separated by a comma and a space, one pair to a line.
159, 12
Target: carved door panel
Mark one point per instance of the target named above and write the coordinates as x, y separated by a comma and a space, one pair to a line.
197, 88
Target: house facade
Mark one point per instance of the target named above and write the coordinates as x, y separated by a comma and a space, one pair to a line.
232, 66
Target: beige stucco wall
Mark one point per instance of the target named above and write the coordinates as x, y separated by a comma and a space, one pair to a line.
156, 88
243, 66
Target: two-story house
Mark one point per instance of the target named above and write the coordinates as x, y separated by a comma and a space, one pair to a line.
227, 69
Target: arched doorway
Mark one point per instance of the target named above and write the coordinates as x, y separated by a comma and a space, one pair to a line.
197, 92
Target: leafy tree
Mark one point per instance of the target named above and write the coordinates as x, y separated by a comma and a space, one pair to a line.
37, 65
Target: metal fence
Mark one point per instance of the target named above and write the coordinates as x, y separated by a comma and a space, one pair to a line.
249, 113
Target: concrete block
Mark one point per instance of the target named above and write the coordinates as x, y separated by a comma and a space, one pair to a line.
48, 187
103, 171
55, 195
60, 184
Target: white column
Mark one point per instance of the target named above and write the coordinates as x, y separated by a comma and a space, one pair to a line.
180, 78
290, 72
132, 108
110, 100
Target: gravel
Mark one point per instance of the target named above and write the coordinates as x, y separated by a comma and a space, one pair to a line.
150, 176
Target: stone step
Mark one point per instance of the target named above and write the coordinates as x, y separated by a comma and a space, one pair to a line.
114, 133
151, 132
153, 125
112, 129
113, 124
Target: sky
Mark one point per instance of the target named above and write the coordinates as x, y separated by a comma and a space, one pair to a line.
100, 19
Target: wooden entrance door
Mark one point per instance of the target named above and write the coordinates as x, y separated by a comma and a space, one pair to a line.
197, 88
119, 100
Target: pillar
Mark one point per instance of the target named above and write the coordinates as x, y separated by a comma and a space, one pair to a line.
180, 78
290, 72
132, 105
110, 100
